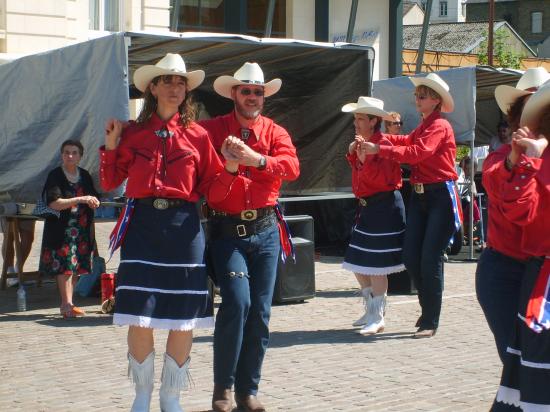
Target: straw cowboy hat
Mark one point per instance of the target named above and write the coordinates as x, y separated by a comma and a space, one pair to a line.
529, 82
248, 74
534, 107
438, 85
171, 64
367, 105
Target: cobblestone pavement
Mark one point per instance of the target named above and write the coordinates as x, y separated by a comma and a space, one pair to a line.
315, 361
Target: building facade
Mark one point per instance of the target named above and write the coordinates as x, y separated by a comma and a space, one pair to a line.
448, 11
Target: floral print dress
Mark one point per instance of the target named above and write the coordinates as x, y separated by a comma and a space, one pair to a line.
74, 255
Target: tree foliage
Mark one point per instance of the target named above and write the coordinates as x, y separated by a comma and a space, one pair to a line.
502, 52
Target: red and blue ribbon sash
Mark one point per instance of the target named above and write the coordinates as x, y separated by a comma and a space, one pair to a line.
537, 315
117, 235
457, 207
287, 247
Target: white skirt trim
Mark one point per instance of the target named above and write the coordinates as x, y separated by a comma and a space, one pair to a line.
122, 319
375, 250
367, 271
511, 396
168, 291
170, 265
528, 364
379, 234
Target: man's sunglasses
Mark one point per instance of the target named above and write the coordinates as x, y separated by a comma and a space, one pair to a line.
248, 92
396, 123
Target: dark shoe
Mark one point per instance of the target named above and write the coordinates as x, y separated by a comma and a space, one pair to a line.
248, 403
221, 399
424, 333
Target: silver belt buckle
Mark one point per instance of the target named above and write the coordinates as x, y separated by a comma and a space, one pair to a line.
241, 230
161, 204
418, 188
249, 215
362, 202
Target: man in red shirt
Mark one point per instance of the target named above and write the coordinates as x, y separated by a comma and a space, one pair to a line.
244, 233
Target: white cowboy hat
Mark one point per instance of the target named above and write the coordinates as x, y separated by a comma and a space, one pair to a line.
438, 85
367, 105
534, 107
170, 64
531, 80
248, 74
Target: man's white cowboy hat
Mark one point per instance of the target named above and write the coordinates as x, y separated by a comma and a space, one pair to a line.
171, 64
529, 82
248, 74
438, 85
367, 105
533, 109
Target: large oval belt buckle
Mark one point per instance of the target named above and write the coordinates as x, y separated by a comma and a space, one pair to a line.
160, 204
249, 214
362, 202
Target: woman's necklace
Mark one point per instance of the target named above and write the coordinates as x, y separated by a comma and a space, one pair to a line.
71, 177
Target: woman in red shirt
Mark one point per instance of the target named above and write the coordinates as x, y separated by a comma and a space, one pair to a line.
377, 238
526, 202
161, 281
432, 212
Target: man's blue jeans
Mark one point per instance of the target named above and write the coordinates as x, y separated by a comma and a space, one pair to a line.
430, 225
498, 285
246, 270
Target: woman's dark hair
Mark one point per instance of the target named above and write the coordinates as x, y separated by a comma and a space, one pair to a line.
72, 143
186, 109
378, 124
543, 126
514, 112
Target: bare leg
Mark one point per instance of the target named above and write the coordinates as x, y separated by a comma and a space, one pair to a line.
65, 289
27, 237
140, 342
364, 281
178, 345
379, 284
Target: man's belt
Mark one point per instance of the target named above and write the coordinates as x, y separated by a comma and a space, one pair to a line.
369, 200
220, 226
420, 188
161, 203
246, 215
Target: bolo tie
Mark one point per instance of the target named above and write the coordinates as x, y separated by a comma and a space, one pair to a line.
245, 134
164, 134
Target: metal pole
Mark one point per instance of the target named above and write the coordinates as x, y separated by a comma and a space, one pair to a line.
422, 46
175, 16
490, 38
269, 18
470, 217
351, 23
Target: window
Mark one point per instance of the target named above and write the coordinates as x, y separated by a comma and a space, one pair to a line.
197, 15
536, 22
105, 15
442, 8
256, 14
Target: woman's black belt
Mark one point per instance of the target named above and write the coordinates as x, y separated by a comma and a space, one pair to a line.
221, 226
369, 200
247, 215
426, 187
161, 203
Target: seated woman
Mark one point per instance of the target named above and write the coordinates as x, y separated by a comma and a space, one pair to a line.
67, 242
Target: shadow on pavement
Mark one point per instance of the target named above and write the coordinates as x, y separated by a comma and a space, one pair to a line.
92, 319
293, 338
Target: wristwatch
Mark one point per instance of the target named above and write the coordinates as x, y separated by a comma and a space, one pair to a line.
263, 163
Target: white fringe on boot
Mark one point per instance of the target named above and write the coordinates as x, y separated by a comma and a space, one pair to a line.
174, 379
375, 321
367, 295
143, 375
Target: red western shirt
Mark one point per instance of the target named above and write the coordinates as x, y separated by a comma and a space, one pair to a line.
185, 168
526, 201
430, 150
503, 235
253, 188
376, 174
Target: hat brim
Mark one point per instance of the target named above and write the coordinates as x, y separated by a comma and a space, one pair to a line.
144, 75
532, 110
224, 84
373, 111
506, 96
447, 101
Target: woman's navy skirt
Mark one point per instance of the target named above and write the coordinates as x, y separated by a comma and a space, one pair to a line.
525, 381
377, 238
161, 280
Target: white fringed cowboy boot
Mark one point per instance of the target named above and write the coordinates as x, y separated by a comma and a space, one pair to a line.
375, 322
143, 375
366, 292
174, 379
